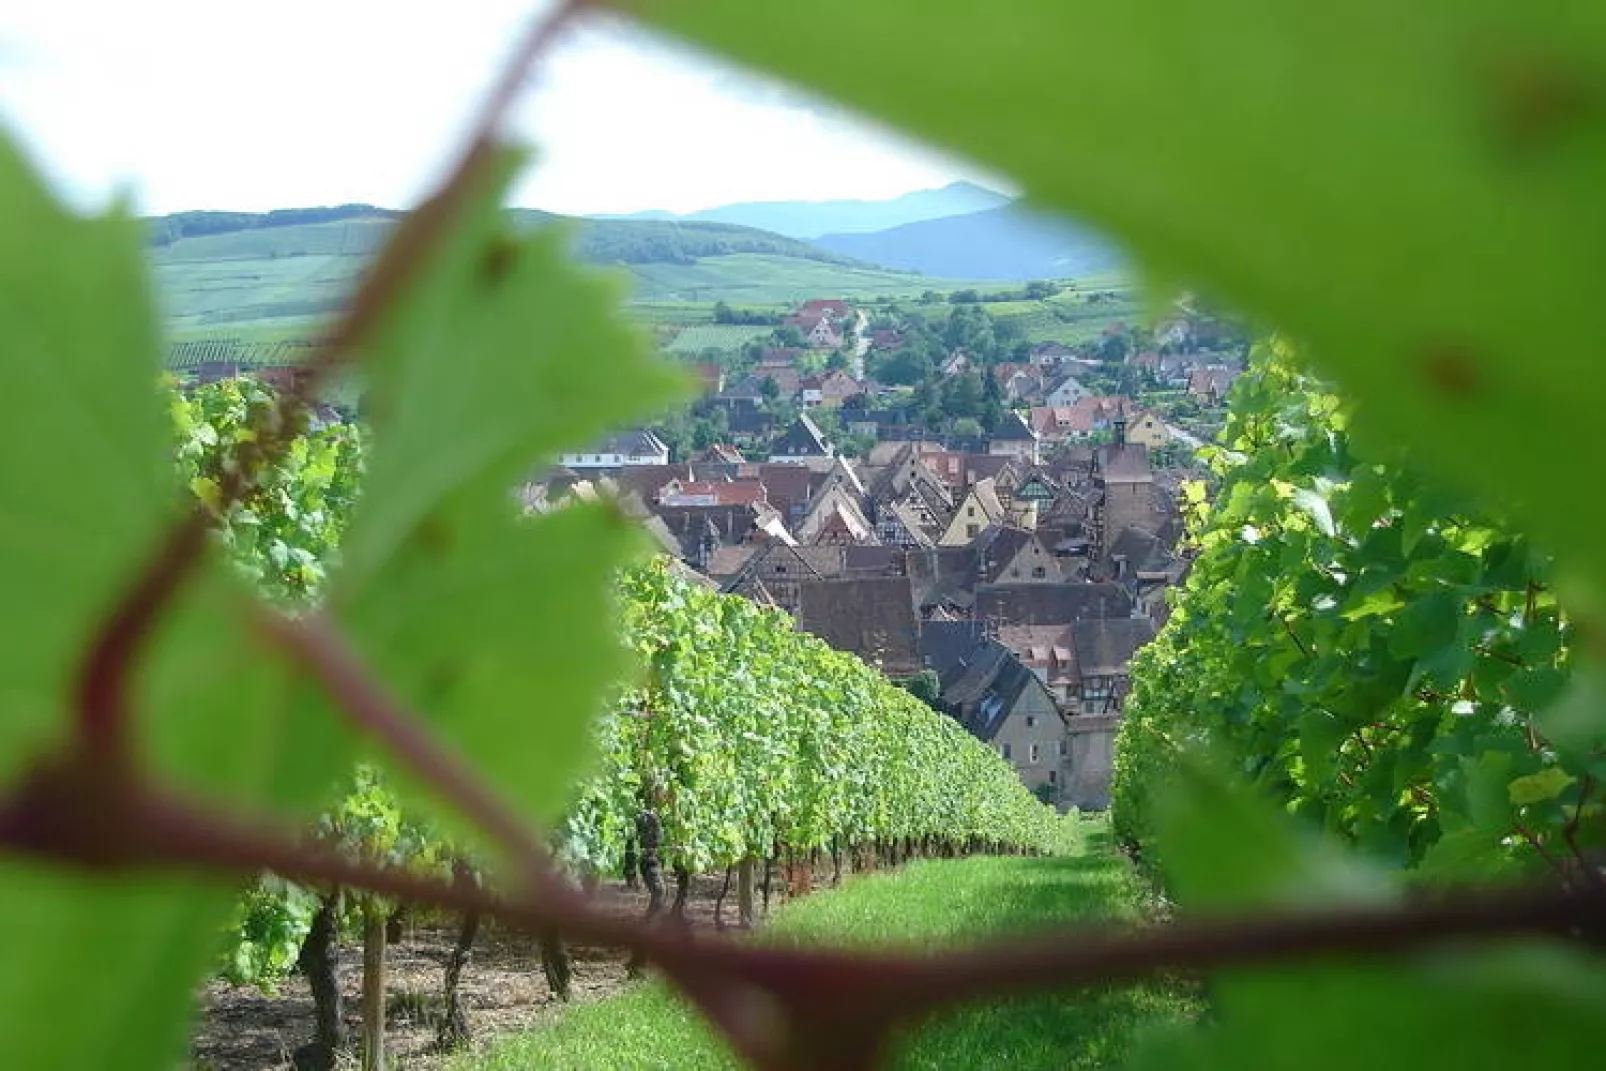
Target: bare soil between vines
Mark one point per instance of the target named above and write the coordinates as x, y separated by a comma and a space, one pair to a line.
239, 1028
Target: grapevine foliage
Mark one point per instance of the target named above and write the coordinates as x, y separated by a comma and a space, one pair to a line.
284, 535
747, 737
1365, 646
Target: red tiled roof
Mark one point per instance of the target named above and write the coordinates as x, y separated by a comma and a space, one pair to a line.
713, 493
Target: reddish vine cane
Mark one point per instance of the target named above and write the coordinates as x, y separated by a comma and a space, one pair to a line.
94, 806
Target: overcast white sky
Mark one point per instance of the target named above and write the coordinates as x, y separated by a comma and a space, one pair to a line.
211, 104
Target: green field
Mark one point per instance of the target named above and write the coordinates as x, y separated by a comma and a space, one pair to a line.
761, 279
289, 292
255, 287
937, 902
1068, 317
699, 337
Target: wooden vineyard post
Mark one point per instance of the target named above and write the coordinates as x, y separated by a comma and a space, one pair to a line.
373, 989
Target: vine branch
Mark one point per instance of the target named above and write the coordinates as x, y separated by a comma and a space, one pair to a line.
846, 999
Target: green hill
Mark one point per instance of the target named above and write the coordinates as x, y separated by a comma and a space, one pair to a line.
1011, 242
278, 274
810, 219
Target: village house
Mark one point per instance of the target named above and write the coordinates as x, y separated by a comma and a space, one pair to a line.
1050, 355
1065, 392
619, 451
824, 323
1103, 649
1007, 555
772, 572
998, 700
1013, 438
1147, 429
978, 509
1048, 651
712, 493
1209, 386
803, 441
828, 389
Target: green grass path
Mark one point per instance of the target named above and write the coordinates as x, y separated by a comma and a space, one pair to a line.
926, 903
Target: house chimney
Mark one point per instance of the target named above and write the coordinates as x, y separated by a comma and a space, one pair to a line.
1120, 431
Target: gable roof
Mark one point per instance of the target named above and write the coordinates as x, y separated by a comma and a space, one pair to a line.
1051, 604
803, 439
903, 515
721, 454
1104, 647
986, 496
728, 561
872, 617
1013, 429
1001, 468
996, 547
1049, 647
985, 694
942, 576
712, 493
1143, 551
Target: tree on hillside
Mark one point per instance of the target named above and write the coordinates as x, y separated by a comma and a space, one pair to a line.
992, 402
1113, 348
789, 336
962, 395
907, 367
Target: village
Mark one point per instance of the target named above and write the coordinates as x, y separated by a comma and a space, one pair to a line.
1005, 566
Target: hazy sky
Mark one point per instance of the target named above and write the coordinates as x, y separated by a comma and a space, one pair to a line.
210, 104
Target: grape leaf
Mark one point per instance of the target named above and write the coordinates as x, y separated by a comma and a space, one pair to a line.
1222, 846
1493, 1008
84, 499
1473, 151
101, 973
1520, 1006
495, 357
84, 490
1547, 784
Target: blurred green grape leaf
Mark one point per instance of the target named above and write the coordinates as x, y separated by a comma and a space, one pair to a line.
1413, 191
495, 627
86, 494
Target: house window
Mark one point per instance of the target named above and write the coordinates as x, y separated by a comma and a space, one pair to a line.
1031, 721
970, 530
1003, 749
1053, 777
970, 511
780, 569
1031, 753
1059, 748
1039, 572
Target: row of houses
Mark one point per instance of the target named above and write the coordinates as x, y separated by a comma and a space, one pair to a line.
1022, 584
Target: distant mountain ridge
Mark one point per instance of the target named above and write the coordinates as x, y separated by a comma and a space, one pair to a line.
359, 229
1008, 242
810, 219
